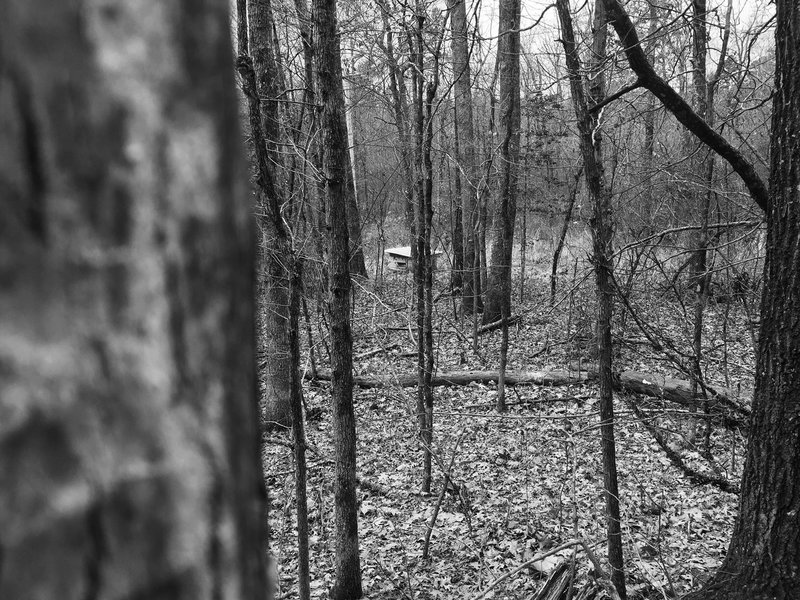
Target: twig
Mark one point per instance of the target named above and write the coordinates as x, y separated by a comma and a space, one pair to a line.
439, 500
527, 564
677, 460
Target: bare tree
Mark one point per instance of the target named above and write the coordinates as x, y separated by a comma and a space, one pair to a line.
335, 168
261, 84
498, 289
590, 132
462, 92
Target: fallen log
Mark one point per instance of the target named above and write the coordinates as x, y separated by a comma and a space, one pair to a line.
497, 324
656, 386
677, 460
457, 378
679, 391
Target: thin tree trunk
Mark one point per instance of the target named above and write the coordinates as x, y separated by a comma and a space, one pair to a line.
130, 467
273, 300
498, 289
562, 236
699, 196
462, 94
335, 165
398, 92
424, 95
357, 263
298, 430
457, 212
590, 140
313, 153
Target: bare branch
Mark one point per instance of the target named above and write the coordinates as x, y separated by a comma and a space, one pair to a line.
673, 102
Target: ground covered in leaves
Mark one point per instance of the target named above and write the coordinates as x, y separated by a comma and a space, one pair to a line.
528, 480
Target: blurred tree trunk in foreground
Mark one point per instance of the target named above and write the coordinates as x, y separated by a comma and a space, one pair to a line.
129, 463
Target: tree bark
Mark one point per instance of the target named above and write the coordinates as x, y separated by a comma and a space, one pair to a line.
254, 25
129, 450
424, 94
335, 165
764, 553
498, 289
462, 94
298, 430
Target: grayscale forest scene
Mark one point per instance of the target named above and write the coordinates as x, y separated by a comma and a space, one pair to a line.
399, 300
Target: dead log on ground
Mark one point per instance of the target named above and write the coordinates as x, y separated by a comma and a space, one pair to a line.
720, 406
720, 400
497, 324
457, 378
676, 459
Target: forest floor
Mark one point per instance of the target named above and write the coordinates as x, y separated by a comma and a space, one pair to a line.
530, 479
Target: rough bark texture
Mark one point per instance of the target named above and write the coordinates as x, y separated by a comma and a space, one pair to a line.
335, 166
462, 94
498, 289
702, 174
274, 242
763, 558
424, 93
589, 128
129, 464
298, 433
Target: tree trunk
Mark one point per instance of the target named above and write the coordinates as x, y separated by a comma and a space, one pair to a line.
762, 560
462, 94
314, 201
129, 450
298, 430
357, 264
498, 289
254, 25
765, 549
701, 198
562, 236
335, 166
398, 92
424, 94
457, 211
589, 129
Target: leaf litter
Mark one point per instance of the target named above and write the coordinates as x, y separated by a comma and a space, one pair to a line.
528, 480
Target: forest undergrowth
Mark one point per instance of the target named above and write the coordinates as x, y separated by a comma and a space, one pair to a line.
526, 481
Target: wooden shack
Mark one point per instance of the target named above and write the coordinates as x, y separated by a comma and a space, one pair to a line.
399, 259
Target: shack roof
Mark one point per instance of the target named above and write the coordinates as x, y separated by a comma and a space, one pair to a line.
400, 251
405, 252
